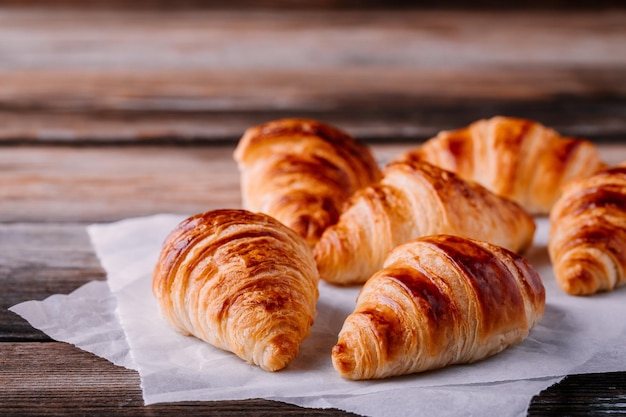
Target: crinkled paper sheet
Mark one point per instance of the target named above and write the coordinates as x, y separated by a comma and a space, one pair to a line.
120, 321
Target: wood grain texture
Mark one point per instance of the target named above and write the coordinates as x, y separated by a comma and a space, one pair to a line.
120, 5
63, 38
57, 379
96, 75
48, 378
583, 395
37, 261
78, 184
96, 184
216, 106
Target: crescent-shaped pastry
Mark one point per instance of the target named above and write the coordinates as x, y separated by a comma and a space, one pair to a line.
439, 300
301, 172
415, 199
240, 281
587, 243
515, 158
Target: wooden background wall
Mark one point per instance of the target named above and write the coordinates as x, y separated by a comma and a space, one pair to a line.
116, 73
154, 71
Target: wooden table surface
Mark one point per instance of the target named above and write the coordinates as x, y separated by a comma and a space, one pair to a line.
107, 114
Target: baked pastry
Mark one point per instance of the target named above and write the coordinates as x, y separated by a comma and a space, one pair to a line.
439, 300
301, 172
415, 199
515, 158
240, 281
587, 243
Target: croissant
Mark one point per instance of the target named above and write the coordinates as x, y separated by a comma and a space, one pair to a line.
587, 243
439, 300
240, 281
415, 199
302, 172
515, 158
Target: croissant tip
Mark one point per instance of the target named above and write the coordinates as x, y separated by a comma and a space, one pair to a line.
343, 361
583, 273
278, 353
576, 281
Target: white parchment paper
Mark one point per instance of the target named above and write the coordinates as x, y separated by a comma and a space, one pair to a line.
576, 335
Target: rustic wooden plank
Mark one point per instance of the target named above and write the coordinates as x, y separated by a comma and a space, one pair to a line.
583, 395
124, 5
57, 379
62, 38
39, 260
84, 75
95, 184
54, 379
194, 91
381, 105
102, 184
52, 39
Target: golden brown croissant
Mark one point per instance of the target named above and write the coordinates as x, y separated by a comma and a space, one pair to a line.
301, 172
587, 242
415, 199
515, 158
240, 281
439, 300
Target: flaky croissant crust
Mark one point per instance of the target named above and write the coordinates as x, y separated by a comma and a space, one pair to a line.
415, 199
515, 158
301, 172
439, 300
240, 281
587, 244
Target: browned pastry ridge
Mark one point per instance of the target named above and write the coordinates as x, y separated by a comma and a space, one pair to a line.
587, 243
515, 158
240, 281
439, 300
302, 172
415, 199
